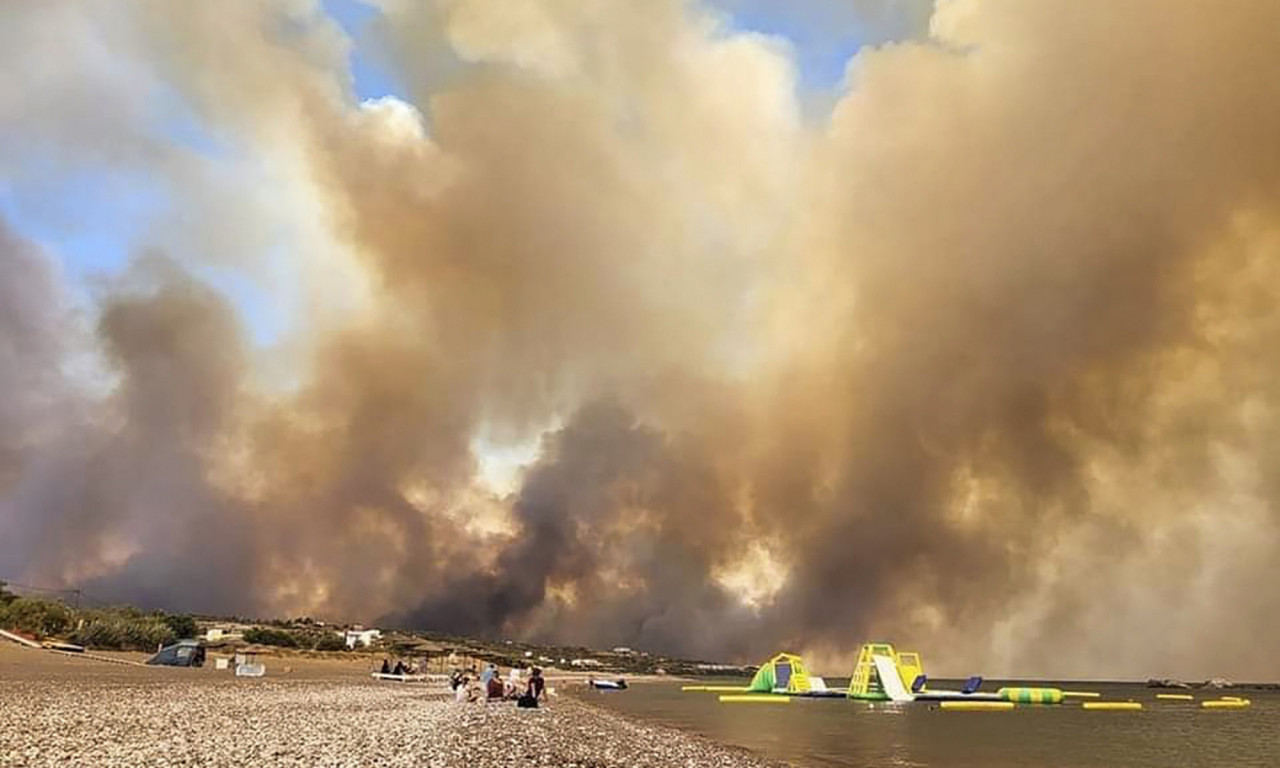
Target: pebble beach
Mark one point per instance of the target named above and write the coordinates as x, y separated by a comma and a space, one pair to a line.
59, 710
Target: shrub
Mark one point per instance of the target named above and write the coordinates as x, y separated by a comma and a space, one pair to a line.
100, 634
181, 624
269, 636
119, 632
331, 642
41, 618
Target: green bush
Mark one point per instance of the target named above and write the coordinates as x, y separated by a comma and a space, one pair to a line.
331, 641
124, 632
182, 625
269, 636
41, 618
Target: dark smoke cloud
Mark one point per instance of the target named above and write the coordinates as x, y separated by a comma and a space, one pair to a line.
982, 364
623, 524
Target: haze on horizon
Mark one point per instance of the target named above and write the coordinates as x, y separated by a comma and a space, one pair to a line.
608, 324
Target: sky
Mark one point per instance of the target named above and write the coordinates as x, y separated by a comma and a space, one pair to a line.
94, 221
703, 327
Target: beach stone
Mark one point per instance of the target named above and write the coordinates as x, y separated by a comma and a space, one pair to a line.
74, 715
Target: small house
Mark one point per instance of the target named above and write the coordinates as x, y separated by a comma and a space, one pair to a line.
362, 637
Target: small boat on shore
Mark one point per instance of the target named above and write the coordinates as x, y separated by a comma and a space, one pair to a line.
608, 685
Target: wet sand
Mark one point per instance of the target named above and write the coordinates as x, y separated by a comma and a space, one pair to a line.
59, 710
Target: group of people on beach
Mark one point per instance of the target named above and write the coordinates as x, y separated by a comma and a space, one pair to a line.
399, 669
489, 686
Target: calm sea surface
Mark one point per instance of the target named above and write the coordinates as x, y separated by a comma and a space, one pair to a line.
838, 732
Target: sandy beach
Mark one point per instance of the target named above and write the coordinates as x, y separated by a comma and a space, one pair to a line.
60, 710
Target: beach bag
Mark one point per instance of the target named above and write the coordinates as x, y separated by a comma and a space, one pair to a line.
527, 702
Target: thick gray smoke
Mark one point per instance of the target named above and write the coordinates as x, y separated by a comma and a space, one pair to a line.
980, 362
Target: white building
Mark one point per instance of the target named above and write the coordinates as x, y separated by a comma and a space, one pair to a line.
362, 637
585, 663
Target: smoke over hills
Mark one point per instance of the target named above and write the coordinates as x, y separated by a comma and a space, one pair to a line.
982, 363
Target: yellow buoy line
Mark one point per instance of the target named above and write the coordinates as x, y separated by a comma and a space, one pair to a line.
1112, 705
716, 688
1080, 694
1226, 703
754, 698
1175, 696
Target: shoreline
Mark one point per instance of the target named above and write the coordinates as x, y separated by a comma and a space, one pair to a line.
61, 710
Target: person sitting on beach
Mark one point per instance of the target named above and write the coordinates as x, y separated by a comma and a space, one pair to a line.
400, 668
386, 666
494, 688
490, 672
533, 694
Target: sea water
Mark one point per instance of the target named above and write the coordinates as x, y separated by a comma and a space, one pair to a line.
839, 732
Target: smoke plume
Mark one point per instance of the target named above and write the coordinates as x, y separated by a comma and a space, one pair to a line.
597, 334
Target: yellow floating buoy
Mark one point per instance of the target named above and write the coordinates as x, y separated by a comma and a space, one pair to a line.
1231, 698
1175, 696
1031, 695
717, 688
1112, 705
1080, 695
1226, 704
759, 698
978, 706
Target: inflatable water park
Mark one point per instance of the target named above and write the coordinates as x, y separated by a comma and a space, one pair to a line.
883, 674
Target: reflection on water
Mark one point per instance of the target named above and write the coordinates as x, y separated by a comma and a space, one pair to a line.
837, 732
